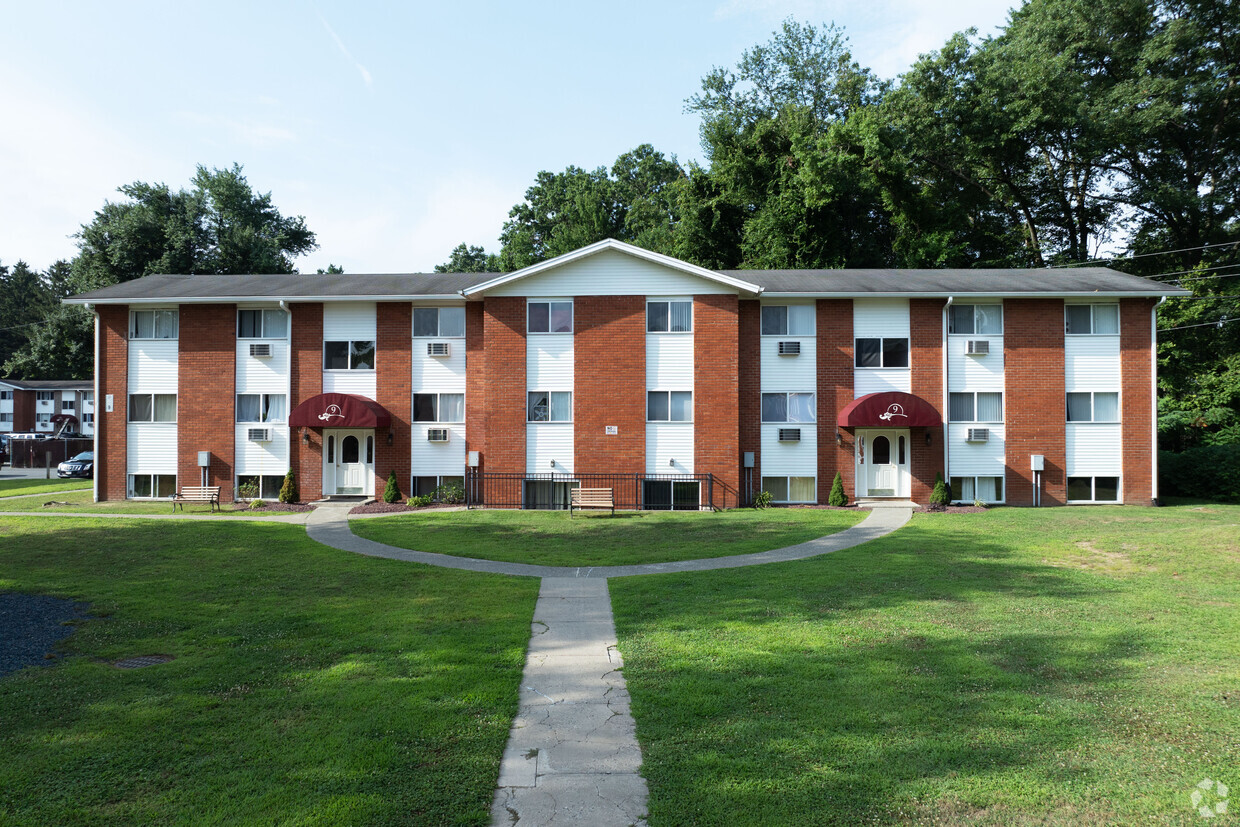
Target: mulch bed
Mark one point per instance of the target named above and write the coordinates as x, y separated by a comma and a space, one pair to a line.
274, 507
954, 509
394, 508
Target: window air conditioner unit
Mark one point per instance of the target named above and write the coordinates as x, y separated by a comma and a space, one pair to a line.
789, 434
258, 434
261, 350
789, 348
977, 347
437, 349
978, 435
437, 435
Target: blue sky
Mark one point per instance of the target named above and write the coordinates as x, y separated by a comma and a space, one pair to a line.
397, 129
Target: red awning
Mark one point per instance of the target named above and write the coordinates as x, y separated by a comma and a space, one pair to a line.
889, 409
339, 410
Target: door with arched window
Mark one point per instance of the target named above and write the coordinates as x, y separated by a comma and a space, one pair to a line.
883, 464
348, 459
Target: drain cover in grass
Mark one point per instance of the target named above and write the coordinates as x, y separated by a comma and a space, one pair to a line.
142, 660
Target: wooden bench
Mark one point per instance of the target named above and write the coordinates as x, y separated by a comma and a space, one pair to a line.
197, 494
591, 498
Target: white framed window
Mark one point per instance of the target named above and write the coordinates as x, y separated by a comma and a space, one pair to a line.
881, 353
44, 396
356, 355
152, 486
6, 396
253, 323
66, 405
669, 316
671, 495
971, 489
669, 406
439, 322
1093, 489
88, 418
1093, 406
6, 416
43, 419
439, 407
430, 486
549, 317
88, 397
788, 319
1091, 319
549, 406
791, 489
788, 407
153, 324
152, 407
980, 406
263, 487
260, 407
976, 319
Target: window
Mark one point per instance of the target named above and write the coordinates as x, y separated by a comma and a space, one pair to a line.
88, 418
671, 495
788, 320
791, 489
260, 407
349, 355
153, 324
669, 406
430, 487
1096, 406
983, 319
152, 486
66, 404
549, 317
439, 407
1096, 319
45, 396
882, 353
265, 487
88, 397
262, 324
1093, 489
6, 396
153, 407
669, 317
7, 416
975, 407
969, 489
550, 406
548, 494
43, 419
443, 322
788, 407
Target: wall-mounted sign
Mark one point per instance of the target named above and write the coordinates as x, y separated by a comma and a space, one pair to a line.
612, 430
107, 403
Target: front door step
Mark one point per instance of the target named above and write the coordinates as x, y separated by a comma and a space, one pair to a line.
893, 502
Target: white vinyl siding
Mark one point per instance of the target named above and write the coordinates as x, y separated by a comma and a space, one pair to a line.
263, 374
549, 362
262, 458
880, 319
349, 322
361, 382
872, 380
969, 459
792, 458
1091, 363
669, 367
547, 441
669, 361
153, 366
439, 374
1093, 449
611, 273
151, 448
974, 373
667, 441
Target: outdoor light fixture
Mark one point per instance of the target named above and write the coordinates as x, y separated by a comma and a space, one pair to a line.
552, 463
672, 462
390, 437
927, 437
839, 439
305, 437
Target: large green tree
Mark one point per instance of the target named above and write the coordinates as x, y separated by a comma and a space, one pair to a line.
218, 225
467, 258
25, 298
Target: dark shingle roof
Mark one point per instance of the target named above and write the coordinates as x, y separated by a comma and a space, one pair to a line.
49, 384
1059, 281
297, 286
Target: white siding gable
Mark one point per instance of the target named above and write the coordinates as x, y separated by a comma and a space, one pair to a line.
610, 273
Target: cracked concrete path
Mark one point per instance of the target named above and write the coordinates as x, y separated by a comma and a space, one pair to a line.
572, 755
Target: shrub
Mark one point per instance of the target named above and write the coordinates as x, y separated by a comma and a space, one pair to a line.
763, 499
837, 496
255, 505
940, 497
1183, 475
288, 491
248, 488
452, 493
390, 492
418, 502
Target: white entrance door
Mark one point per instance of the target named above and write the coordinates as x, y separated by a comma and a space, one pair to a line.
349, 460
883, 463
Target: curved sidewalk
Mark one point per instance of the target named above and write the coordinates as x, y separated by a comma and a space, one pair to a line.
329, 525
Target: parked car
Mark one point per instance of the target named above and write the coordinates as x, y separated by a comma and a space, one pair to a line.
83, 465
4, 450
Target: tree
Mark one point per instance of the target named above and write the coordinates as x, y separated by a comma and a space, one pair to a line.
469, 259
24, 299
391, 491
837, 497
332, 270
288, 489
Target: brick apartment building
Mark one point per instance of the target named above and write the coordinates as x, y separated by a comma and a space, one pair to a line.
44, 406
613, 366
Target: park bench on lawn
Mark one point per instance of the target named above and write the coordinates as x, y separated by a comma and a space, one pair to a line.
591, 498
197, 494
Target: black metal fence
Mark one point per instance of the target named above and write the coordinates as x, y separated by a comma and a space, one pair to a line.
649, 492
45, 453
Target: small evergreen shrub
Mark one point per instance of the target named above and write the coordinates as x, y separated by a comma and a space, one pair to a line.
940, 497
255, 505
837, 497
288, 491
763, 499
391, 493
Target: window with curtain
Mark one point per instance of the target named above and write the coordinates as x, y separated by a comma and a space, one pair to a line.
439, 407
1095, 406
669, 316
788, 407
549, 317
1091, 319
976, 319
982, 406
261, 324
549, 406
441, 322
260, 407
788, 320
153, 407
153, 324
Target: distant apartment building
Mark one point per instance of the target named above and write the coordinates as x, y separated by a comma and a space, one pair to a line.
47, 406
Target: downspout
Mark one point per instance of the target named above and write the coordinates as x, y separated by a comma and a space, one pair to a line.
98, 406
1154, 399
947, 476
288, 391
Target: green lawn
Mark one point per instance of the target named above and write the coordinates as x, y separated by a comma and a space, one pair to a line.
15, 488
310, 686
82, 502
552, 538
1061, 666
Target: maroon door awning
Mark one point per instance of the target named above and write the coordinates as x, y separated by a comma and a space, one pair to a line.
889, 409
339, 410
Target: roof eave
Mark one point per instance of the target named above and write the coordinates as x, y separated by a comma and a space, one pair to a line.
986, 294
456, 297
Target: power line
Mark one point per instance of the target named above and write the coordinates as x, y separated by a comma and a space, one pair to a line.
1190, 272
1215, 323
1146, 255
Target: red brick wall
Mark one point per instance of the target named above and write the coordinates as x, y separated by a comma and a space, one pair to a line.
111, 430
306, 367
394, 391
206, 394
475, 383
716, 421
504, 330
926, 374
1135, 349
749, 392
23, 410
835, 391
609, 365
1035, 400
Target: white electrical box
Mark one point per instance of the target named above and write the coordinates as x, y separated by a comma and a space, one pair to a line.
473, 459
1036, 462
204, 459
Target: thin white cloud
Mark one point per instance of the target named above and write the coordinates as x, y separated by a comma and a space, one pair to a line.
245, 133
344, 50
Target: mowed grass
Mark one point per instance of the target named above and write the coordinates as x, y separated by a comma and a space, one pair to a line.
1059, 666
81, 502
18, 487
310, 686
552, 538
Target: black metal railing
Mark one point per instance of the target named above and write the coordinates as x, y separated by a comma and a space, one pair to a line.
648, 492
